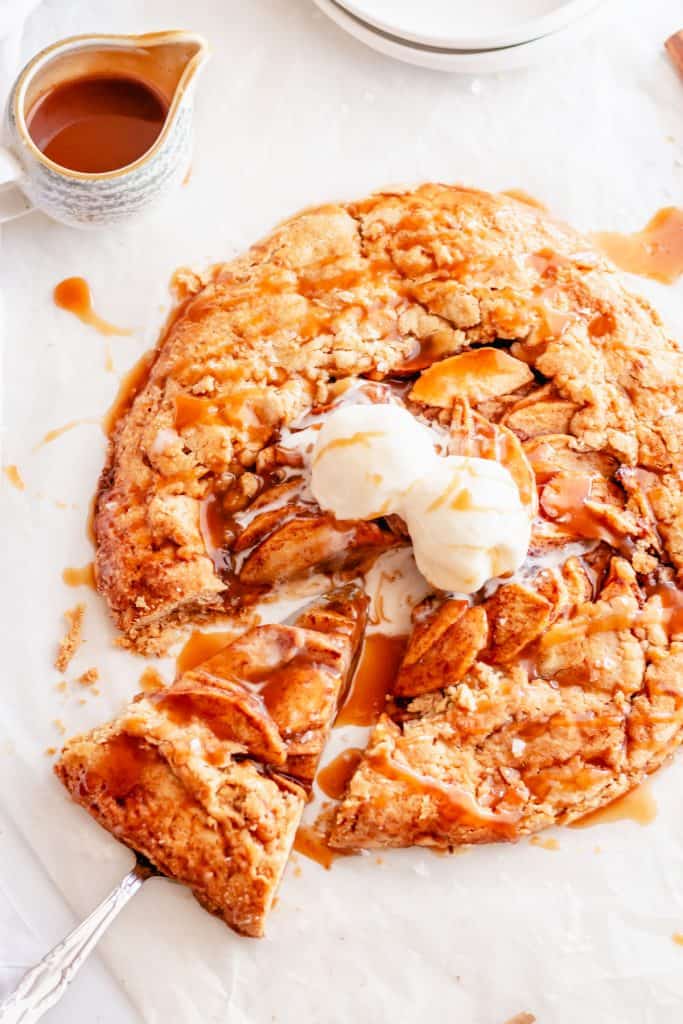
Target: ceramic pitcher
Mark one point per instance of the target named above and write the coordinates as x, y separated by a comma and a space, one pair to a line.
170, 61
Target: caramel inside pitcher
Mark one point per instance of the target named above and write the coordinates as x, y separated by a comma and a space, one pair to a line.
99, 109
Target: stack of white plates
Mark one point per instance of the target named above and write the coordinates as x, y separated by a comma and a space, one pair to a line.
470, 36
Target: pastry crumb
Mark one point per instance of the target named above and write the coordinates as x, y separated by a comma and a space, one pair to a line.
73, 638
89, 677
50, 751
544, 842
59, 726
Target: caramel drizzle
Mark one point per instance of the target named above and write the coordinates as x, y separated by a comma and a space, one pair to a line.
455, 804
622, 613
361, 437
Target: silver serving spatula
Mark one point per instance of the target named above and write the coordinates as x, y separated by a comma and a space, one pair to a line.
43, 985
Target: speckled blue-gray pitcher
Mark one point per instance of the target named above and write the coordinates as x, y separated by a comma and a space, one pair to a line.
30, 180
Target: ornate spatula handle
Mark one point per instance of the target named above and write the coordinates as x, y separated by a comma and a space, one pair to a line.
43, 985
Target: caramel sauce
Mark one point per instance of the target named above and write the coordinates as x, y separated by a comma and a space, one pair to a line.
362, 437
83, 577
182, 708
283, 683
486, 440
200, 647
239, 407
335, 776
677, 937
294, 674
90, 520
131, 384
601, 325
318, 285
455, 804
639, 806
73, 295
563, 500
674, 47
655, 252
52, 435
120, 767
463, 502
151, 681
618, 615
190, 410
313, 844
524, 197
377, 669
426, 352
15, 478
543, 460
97, 123
219, 530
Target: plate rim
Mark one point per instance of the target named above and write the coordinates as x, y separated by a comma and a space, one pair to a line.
468, 62
529, 30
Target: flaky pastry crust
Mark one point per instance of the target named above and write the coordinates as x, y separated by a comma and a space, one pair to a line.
529, 705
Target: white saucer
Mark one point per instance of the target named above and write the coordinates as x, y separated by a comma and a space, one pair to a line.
467, 62
468, 24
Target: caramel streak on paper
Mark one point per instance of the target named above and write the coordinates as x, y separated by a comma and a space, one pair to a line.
674, 47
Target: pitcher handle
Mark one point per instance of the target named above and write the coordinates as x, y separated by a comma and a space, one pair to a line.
13, 202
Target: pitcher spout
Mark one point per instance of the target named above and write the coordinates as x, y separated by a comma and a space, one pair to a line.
173, 61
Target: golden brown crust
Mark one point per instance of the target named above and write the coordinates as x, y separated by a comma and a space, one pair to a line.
225, 832
535, 354
208, 778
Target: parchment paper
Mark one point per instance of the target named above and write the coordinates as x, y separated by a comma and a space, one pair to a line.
292, 112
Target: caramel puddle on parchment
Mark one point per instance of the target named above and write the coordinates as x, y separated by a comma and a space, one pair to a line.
14, 476
655, 252
73, 295
80, 577
312, 842
639, 805
335, 776
377, 669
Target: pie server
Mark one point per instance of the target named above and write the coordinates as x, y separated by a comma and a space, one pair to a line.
43, 985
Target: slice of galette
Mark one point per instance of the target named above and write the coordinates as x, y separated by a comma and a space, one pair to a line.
208, 777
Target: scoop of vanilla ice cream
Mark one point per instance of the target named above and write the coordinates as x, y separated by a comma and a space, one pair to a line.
467, 523
366, 457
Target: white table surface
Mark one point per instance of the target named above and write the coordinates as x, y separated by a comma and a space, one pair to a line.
291, 112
